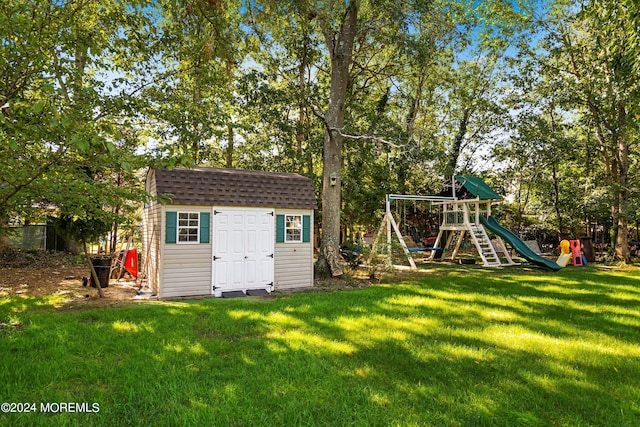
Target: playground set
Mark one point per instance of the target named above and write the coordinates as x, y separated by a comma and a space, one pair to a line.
467, 211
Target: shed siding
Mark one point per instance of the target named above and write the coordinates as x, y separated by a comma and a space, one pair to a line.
185, 268
151, 232
294, 261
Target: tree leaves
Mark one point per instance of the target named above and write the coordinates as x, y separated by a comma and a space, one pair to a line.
110, 86
56, 116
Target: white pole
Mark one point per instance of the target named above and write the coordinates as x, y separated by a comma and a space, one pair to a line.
403, 244
387, 218
453, 186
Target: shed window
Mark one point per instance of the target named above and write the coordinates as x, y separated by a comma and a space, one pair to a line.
293, 228
188, 227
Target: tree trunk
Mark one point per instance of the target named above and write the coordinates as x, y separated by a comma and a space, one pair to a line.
113, 243
228, 154
340, 46
113, 246
622, 239
94, 275
556, 200
457, 143
195, 144
4, 229
615, 157
415, 106
302, 122
608, 111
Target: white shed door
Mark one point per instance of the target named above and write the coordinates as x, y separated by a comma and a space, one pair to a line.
243, 249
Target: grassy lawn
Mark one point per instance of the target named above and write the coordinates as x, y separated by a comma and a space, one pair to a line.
459, 346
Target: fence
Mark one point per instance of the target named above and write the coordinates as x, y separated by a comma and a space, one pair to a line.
36, 237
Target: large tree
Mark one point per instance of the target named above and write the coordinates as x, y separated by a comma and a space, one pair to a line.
194, 106
369, 51
338, 24
586, 49
68, 85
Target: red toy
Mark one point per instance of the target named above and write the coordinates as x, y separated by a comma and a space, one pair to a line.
131, 262
576, 253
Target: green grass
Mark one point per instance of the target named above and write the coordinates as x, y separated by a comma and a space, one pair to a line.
459, 346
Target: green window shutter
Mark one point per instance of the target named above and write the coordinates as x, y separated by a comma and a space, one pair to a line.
172, 226
205, 219
279, 228
306, 228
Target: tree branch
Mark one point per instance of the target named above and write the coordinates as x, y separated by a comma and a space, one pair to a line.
38, 173
371, 138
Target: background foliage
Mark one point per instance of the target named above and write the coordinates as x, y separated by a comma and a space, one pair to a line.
540, 99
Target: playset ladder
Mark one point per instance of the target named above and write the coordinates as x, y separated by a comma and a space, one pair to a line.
483, 244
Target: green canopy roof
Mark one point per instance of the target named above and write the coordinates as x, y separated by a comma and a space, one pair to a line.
478, 188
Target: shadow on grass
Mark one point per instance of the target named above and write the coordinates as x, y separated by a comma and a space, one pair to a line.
456, 347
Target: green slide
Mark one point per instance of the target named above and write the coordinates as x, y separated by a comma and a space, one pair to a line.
492, 224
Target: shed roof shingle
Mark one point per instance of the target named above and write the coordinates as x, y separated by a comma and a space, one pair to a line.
234, 187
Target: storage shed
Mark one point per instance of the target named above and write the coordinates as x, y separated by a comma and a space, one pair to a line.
227, 232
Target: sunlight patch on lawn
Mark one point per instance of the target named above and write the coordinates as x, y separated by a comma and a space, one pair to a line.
248, 361
557, 369
276, 320
178, 348
412, 302
282, 320
22, 303
564, 378
547, 278
625, 296
450, 301
500, 316
302, 308
628, 320
604, 345
371, 330
379, 399
125, 326
583, 347
294, 333
363, 371
196, 348
562, 303
459, 352
545, 382
522, 339
175, 307
313, 343
423, 326
229, 394
569, 289
481, 404
275, 346
625, 275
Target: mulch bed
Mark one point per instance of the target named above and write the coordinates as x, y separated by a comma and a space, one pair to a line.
39, 274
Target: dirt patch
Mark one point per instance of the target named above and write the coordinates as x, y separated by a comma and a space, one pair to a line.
57, 275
